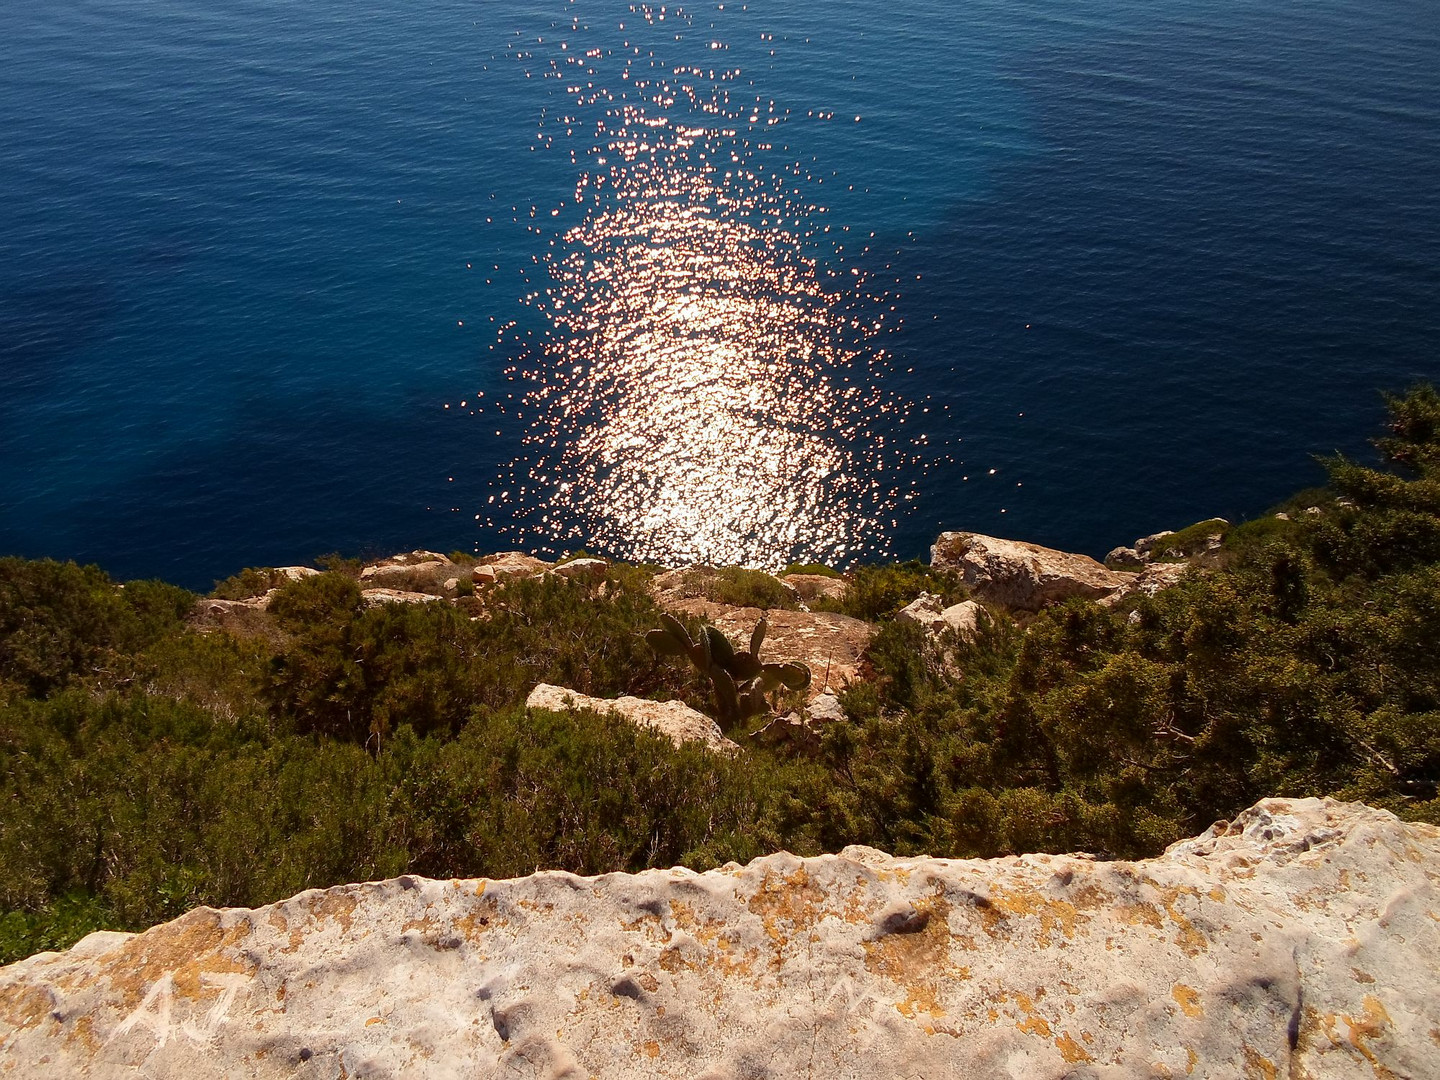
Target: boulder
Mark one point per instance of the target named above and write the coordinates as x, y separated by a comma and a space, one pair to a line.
407, 562
1299, 940
375, 597
586, 570
964, 618
384, 570
1021, 576
831, 645
506, 565
1148, 582
826, 709
815, 586
1124, 556
928, 610
672, 718
297, 573
1145, 546
673, 589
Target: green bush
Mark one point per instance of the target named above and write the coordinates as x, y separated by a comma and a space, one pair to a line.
876, 593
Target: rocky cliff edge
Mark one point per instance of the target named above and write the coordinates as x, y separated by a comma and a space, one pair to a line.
1300, 940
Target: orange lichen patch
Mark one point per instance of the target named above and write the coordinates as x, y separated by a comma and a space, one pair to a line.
650, 1049
1035, 1025
788, 905
1071, 1050
1257, 1065
672, 961
375, 1020
84, 1032
710, 934
1188, 999
278, 920
1138, 914
23, 1006
428, 926
1371, 1024
651, 925
919, 960
1217, 894
1190, 940
1029, 903
484, 917
194, 945
335, 904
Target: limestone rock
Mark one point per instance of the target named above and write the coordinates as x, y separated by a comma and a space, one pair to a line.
587, 570
826, 709
925, 610
1145, 546
1022, 576
375, 597
964, 618
1124, 556
928, 610
505, 565
220, 608
1301, 940
297, 573
814, 586
1148, 582
406, 563
673, 718
831, 645
675, 588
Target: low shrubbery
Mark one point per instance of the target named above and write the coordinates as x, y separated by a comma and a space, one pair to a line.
148, 767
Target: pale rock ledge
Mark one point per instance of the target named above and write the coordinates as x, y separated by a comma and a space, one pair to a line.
1301, 941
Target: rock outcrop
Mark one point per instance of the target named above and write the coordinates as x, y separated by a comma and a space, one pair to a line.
376, 597
929, 611
815, 586
505, 565
1021, 576
671, 718
831, 645
1301, 940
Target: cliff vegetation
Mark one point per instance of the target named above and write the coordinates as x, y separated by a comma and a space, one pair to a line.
150, 762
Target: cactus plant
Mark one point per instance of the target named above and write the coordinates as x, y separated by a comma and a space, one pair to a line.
738, 679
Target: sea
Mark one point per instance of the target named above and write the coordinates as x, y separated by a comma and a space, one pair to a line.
752, 282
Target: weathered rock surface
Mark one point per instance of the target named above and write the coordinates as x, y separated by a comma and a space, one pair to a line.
587, 570
814, 586
1021, 576
1148, 582
1301, 941
831, 645
375, 597
673, 718
675, 588
929, 611
407, 562
297, 573
505, 565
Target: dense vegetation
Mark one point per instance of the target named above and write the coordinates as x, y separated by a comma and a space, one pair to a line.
148, 767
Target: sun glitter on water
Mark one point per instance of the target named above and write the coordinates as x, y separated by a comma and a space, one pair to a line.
706, 392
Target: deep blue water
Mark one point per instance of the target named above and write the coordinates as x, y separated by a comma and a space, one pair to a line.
1145, 258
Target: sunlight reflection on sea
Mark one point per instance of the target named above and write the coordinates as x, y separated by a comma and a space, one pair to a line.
708, 389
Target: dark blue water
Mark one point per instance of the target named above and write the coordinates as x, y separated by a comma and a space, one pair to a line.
1149, 257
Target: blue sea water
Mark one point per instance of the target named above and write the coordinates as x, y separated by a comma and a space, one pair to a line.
1144, 259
